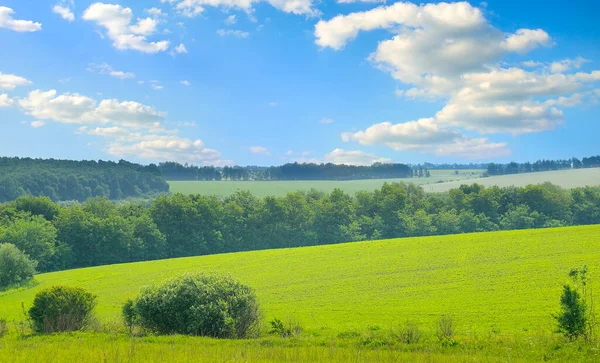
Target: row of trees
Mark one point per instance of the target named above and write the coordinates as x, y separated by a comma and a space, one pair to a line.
290, 171
543, 165
62, 180
99, 232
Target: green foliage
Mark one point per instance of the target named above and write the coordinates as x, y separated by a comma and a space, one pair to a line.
15, 266
129, 315
409, 333
76, 180
198, 304
445, 330
100, 232
61, 308
288, 329
572, 317
36, 237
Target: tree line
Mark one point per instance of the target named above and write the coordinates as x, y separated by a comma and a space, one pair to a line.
62, 180
543, 165
289, 171
98, 231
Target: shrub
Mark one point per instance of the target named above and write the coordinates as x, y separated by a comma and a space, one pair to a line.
129, 315
409, 333
198, 304
15, 267
572, 316
291, 328
61, 308
445, 330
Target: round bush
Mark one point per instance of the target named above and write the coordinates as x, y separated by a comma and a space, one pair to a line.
198, 304
15, 267
61, 308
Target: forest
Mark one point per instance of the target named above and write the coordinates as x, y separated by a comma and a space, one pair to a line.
289, 171
99, 232
62, 180
542, 165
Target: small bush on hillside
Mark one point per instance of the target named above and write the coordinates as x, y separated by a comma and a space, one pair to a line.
15, 267
409, 333
445, 330
61, 308
197, 304
291, 328
576, 316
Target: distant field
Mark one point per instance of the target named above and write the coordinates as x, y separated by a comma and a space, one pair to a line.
280, 188
506, 282
565, 178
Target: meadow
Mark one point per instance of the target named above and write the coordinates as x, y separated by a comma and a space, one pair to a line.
506, 281
565, 178
440, 181
281, 188
500, 288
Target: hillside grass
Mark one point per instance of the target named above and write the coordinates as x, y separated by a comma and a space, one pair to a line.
281, 188
500, 282
565, 178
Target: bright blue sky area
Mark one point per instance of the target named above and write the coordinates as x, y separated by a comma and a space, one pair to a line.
268, 88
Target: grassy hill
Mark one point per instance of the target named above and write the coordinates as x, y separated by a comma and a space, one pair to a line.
281, 188
500, 281
564, 178
440, 181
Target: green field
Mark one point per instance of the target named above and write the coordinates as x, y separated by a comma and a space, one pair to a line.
440, 181
500, 281
281, 188
564, 178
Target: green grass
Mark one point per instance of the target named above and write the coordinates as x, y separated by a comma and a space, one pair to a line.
504, 282
281, 188
564, 178
100, 347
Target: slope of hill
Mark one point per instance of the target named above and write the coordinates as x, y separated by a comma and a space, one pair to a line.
498, 281
565, 178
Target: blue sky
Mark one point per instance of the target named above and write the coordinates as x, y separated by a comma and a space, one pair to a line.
253, 82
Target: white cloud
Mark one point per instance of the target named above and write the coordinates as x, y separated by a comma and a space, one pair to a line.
347, 157
567, 64
64, 12
5, 101
361, 1
180, 49
155, 12
289, 152
525, 40
327, 121
185, 83
117, 21
449, 52
131, 129
108, 70
273, 104
156, 87
74, 108
232, 33
531, 64
11, 81
192, 8
260, 150
165, 147
426, 135
230, 20
7, 22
